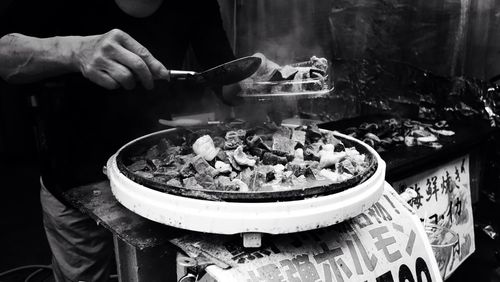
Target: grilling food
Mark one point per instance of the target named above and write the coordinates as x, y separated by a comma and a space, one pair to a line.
261, 158
300, 77
384, 135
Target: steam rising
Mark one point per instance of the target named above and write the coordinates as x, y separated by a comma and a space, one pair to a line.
286, 32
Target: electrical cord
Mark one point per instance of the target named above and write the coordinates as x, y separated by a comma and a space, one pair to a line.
10, 271
33, 274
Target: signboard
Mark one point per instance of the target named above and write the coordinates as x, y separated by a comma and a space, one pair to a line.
443, 198
385, 243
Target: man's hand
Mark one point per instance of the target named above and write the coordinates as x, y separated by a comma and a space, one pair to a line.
115, 59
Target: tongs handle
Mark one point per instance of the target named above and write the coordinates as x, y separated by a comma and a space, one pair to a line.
181, 75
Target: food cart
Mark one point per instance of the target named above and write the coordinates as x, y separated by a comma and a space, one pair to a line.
386, 240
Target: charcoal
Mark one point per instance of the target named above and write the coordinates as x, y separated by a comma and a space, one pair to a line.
310, 155
339, 147
270, 176
187, 170
313, 134
297, 168
309, 174
222, 156
258, 152
253, 141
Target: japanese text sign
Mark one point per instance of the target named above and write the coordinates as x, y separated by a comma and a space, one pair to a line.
443, 198
385, 243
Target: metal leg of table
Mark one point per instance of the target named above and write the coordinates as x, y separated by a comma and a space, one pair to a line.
149, 265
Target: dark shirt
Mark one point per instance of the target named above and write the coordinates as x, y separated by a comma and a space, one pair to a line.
81, 124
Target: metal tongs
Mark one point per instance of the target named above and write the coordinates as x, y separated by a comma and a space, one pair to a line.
227, 73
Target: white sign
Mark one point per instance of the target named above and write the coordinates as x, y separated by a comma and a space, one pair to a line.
443, 198
385, 243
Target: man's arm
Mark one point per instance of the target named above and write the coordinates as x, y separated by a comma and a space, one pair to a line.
27, 59
111, 60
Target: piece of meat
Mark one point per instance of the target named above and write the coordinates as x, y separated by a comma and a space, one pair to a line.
152, 153
285, 73
247, 175
204, 146
191, 183
167, 174
272, 159
331, 158
145, 174
233, 163
299, 154
319, 63
283, 145
299, 138
219, 142
297, 168
222, 167
202, 167
346, 166
140, 165
233, 140
174, 182
241, 158
205, 180
187, 170
242, 186
224, 183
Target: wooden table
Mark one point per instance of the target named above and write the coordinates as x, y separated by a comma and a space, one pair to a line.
142, 247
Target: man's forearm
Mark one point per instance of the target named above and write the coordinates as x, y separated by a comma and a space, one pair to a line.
25, 59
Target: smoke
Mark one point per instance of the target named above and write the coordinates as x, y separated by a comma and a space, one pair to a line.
286, 32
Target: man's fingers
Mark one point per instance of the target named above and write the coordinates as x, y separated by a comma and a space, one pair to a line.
121, 74
102, 79
157, 69
136, 64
